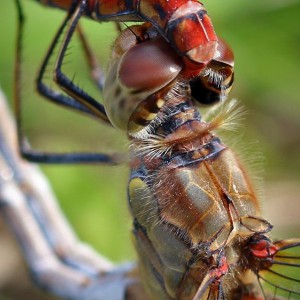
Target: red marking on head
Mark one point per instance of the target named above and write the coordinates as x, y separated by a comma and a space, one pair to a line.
191, 32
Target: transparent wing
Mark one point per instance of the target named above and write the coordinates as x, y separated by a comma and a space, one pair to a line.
282, 277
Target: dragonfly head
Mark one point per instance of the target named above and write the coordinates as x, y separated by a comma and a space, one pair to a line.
191, 33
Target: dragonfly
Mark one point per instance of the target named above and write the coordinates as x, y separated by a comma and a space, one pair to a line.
197, 225
198, 228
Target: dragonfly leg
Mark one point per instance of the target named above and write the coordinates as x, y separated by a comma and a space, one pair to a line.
67, 84
57, 259
58, 98
42, 88
96, 71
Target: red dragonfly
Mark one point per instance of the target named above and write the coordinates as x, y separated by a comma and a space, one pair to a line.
197, 224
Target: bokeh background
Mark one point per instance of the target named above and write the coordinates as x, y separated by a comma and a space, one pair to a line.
265, 37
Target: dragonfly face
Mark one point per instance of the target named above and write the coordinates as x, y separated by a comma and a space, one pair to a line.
138, 73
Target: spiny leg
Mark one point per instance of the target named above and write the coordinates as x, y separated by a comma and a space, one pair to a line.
63, 81
58, 98
42, 88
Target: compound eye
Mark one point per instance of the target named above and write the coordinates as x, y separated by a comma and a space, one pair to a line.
202, 93
140, 72
224, 54
148, 66
216, 79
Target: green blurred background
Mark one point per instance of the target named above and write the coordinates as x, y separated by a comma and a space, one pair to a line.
265, 37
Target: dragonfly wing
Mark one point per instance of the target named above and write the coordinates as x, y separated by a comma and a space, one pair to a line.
282, 277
